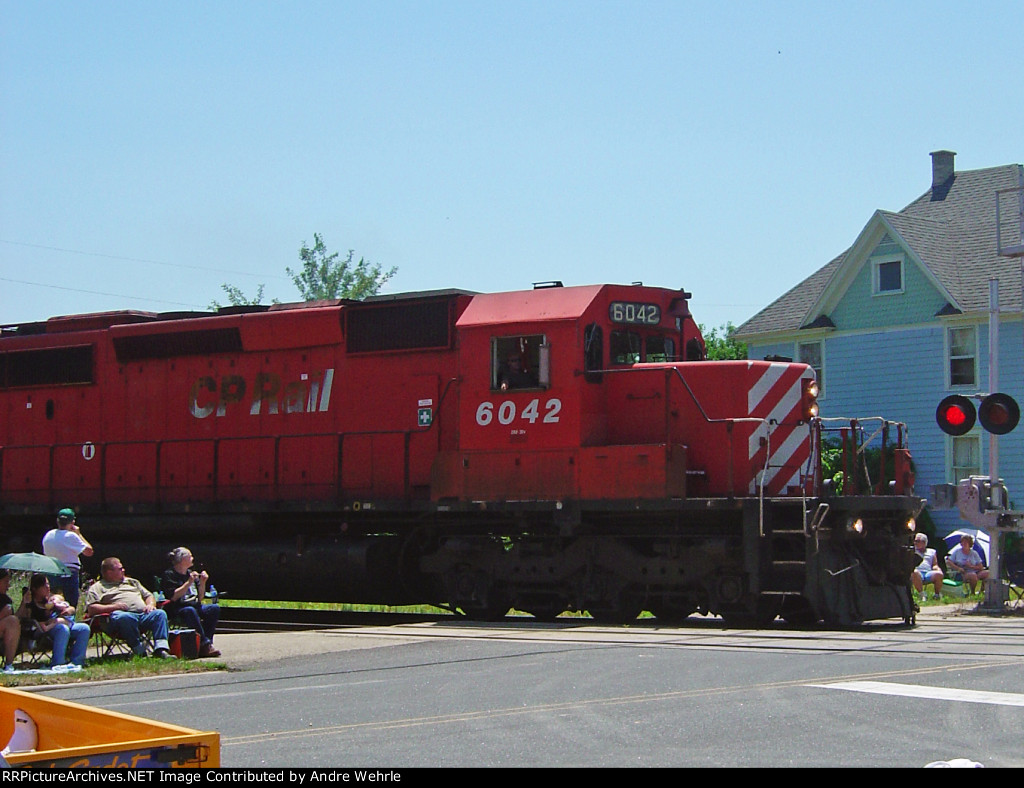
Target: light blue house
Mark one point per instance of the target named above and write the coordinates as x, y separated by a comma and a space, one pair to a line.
901, 319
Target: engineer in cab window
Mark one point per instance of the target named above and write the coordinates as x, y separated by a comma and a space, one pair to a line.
513, 375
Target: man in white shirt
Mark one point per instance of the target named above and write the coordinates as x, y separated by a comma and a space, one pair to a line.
66, 544
927, 570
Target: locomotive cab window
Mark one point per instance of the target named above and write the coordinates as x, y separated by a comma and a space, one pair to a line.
659, 348
629, 347
519, 362
625, 347
593, 353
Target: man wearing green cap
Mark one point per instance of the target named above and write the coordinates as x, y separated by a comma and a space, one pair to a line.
66, 544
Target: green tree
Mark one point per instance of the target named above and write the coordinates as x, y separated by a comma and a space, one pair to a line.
237, 298
325, 276
720, 344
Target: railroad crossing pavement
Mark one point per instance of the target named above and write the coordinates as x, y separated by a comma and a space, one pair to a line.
243, 651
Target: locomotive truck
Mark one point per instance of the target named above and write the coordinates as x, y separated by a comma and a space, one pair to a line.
553, 449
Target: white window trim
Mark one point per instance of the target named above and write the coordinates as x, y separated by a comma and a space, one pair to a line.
946, 357
950, 456
876, 263
822, 388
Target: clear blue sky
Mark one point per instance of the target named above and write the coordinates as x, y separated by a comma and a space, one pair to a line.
150, 152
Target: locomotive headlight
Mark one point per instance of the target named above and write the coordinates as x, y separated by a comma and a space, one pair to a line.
911, 525
809, 400
856, 525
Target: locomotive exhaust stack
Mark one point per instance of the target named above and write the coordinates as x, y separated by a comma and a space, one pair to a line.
550, 449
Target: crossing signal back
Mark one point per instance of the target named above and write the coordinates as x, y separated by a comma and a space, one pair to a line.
998, 414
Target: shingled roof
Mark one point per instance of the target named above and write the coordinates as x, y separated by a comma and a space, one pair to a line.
951, 229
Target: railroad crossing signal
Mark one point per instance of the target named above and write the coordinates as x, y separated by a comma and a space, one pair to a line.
998, 413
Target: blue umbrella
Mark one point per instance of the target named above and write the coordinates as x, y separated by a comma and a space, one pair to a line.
35, 563
981, 541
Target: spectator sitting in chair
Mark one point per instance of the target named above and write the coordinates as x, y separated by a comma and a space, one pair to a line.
965, 564
132, 609
185, 589
927, 571
55, 618
10, 624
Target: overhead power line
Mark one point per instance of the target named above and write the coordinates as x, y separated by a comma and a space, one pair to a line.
143, 260
101, 293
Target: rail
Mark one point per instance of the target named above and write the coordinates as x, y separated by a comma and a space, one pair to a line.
50, 492
854, 443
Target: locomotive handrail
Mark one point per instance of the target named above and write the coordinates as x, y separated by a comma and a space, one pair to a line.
103, 448
158, 488
861, 443
729, 422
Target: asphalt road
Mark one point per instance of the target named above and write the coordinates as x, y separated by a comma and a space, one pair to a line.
524, 694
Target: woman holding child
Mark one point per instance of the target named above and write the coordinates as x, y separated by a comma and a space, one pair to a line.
56, 618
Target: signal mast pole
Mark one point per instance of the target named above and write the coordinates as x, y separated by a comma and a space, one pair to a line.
994, 597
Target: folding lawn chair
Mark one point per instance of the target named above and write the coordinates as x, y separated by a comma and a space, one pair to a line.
1013, 567
108, 643
34, 645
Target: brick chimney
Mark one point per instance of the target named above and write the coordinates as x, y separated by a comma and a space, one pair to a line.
942, 170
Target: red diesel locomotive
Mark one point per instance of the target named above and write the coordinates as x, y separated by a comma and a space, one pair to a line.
552, 449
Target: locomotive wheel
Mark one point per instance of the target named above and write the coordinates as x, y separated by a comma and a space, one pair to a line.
762, 616
798, 612
669, 614
496, 609
623, 610
547, 612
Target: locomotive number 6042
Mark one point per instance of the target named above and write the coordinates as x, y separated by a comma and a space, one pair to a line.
629, 312
506, 412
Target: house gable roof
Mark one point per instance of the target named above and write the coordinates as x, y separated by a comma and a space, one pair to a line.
949, 232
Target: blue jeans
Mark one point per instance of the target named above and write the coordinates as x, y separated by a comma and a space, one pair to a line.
203, 620
68, 586
78, 634
128, 627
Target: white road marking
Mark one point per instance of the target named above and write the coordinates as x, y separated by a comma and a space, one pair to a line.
934, 693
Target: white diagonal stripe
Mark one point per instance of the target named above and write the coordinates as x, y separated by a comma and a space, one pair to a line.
764, 383
780, 410
934, 693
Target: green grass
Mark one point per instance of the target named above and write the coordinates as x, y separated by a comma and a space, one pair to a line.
336, 607
110, 668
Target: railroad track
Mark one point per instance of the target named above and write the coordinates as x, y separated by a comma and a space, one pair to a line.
247, 620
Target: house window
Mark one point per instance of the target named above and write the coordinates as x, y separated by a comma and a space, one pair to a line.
810, 353
966, 451
888, 277
963, 356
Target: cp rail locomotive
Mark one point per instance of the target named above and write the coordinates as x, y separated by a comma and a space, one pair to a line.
560, 448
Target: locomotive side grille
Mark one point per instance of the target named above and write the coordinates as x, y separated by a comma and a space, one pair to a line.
49, 367
178, 343
398, 326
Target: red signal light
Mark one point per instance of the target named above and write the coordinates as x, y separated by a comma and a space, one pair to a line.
955, 415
